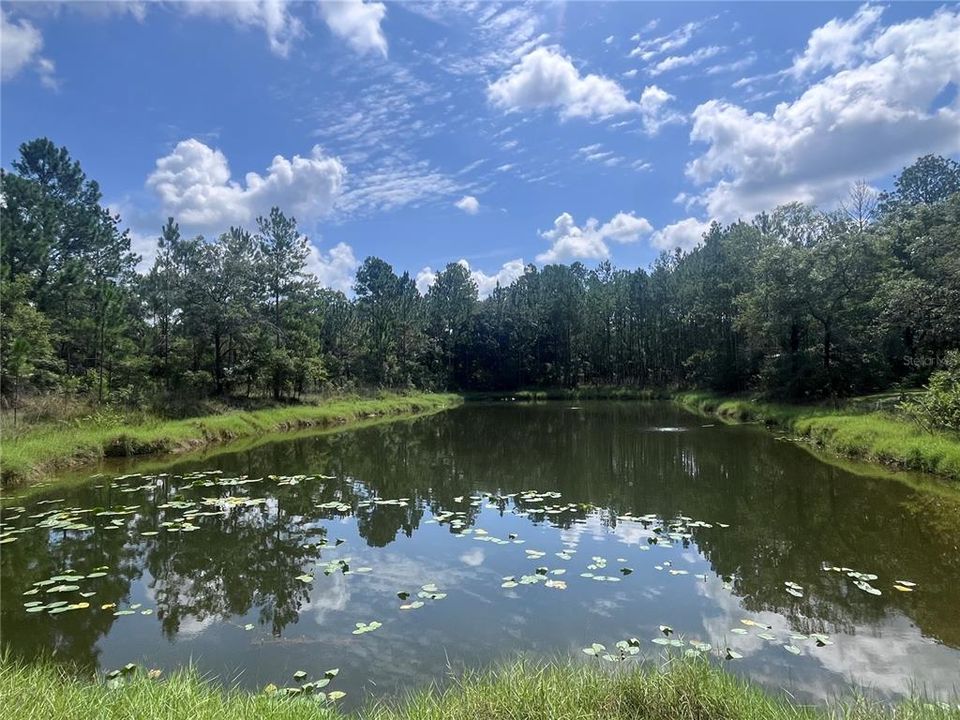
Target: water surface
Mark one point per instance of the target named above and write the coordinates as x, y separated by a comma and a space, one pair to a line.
690, 524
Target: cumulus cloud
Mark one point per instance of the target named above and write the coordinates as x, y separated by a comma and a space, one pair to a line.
813, 148
20, 46
194, 184
469, 204
357, 22
684, 234
486, 284
271, 16
334, 269
568, 241
508, 272
546, 78
425, 278
836, 44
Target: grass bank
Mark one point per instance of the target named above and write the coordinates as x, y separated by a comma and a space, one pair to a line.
46, 449
683, 690
854, 431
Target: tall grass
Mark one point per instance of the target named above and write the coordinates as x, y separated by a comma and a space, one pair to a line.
681, 690
46, 449
873, 436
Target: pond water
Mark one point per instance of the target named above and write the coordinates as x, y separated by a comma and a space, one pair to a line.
521, 528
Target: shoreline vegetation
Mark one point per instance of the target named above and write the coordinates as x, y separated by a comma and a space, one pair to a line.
873, 436
49, 448
853, 430
679, 689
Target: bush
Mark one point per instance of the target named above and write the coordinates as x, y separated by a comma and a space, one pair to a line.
939, 406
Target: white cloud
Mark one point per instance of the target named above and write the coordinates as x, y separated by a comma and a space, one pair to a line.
608, 40
469, 204
194, 184
397, 184
568, 241
733, 66
625, 228
653, 110
425, 278
545, 78
486, 284
684, 234
673, 40
357, 22
631, 73
20, 46
508, 272
334, 269
695, 58
271, 16
837, 44
813, 148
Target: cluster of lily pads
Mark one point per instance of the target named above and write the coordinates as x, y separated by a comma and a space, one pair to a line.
64, 583
427, 592
541, 575
312, 689
626, 649
862, 580
116, 678
183, 516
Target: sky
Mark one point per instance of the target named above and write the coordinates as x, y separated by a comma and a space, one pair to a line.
496, 134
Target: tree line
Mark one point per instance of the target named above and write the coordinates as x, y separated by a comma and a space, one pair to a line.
794, 303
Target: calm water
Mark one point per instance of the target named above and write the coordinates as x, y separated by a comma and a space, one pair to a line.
709, 523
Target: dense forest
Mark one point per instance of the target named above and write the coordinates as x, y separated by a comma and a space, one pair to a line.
794, 303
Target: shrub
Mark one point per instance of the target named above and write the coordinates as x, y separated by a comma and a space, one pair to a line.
939, 406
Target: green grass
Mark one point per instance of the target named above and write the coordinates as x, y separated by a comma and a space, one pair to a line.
874, 436
681, 690
46, 449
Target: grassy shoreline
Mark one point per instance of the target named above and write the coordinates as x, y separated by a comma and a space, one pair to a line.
864, 435
524, 690
48, 449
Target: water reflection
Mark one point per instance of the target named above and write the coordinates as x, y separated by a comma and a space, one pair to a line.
213, 546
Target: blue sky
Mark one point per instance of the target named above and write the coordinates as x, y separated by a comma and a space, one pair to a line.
495, 133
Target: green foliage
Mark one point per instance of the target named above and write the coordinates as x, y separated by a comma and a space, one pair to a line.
796, 304
939, 407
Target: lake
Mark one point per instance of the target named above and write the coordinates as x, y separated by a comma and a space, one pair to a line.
509, 528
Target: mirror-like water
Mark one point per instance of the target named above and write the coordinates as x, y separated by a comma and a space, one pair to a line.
237, 561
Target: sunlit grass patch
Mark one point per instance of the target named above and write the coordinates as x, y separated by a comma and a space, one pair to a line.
48, 448
524, 690
872, 436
